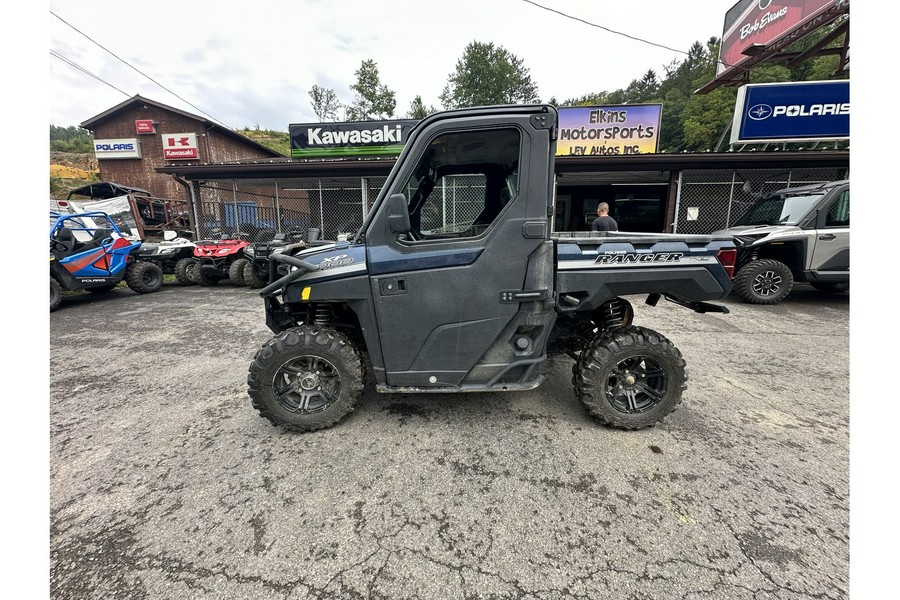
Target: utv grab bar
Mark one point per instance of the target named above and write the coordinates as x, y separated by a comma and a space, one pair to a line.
303, 268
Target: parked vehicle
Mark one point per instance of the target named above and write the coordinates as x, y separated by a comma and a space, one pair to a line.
443, 296
799, 234
174, 255
256, 272
88, 252
155, 214
218, 259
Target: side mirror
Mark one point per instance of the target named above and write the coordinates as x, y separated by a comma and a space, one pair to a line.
398, 214
169, 235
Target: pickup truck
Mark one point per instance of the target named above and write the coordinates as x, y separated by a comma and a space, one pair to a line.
794, 234
454, 283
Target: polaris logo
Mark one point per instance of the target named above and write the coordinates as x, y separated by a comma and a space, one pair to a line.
128, 146
633, 257
382, 135
761, 112
117, 148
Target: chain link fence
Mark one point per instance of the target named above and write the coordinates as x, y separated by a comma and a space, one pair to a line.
257, 209
332, 208
709, 200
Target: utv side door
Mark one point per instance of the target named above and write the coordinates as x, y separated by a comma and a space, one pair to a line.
831, 252
460, 297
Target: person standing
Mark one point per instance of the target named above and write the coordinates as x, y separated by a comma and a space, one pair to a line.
604, 222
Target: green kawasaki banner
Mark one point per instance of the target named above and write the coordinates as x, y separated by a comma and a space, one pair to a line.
357, 138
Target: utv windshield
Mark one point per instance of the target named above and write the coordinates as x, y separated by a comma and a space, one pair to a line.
779, 210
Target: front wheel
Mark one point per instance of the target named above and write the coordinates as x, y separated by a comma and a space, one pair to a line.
55, 294
251, 277
205, 277
765, 281
236, 272
144, 277
306, 378
630, 377
184, 271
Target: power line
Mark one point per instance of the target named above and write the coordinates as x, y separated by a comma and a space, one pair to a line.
607, 29
85, 71
126, 63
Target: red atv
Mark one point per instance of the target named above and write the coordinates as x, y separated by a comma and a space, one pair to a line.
220, 259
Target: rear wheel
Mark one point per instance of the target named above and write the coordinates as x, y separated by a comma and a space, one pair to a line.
236, 271
630, 377
55, 294
252, 278
765, 281
144, 277
306, 378
184, 271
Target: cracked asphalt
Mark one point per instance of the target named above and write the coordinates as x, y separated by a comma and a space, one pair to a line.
165, 483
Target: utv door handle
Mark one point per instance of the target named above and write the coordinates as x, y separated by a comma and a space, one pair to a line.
827, 237
392, 286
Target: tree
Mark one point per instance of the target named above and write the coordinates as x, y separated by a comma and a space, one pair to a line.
71, 139
487, 75
325, 103
418, 110
373, 99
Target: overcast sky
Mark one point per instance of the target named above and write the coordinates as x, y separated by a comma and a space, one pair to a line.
253, 64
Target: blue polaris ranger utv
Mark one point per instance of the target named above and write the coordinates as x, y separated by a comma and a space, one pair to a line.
455, 283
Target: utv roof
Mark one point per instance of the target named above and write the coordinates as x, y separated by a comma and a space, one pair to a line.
815, 187
106, 189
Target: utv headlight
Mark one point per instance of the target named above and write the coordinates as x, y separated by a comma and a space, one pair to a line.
250, 251
748, 240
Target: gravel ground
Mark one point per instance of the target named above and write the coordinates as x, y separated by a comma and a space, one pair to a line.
165, 483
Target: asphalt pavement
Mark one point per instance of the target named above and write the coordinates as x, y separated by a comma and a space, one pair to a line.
165, 483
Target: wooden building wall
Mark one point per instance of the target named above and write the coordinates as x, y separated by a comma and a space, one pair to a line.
214, 147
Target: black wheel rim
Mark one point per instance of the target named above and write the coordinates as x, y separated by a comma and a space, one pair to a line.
306, 385
767, 283
150, 278
636, 384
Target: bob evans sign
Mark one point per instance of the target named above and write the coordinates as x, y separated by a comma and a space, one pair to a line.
608, 130
808, 111
359, 138
761, 22
117, 148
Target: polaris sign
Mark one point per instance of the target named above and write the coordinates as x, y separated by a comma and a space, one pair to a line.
118, 148
810, 111
363, 138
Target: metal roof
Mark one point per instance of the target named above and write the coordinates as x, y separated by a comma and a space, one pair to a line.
375, 167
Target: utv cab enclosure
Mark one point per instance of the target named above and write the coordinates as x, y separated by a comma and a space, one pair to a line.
455, 283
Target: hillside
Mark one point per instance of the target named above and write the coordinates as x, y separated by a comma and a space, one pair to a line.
69, 170
279, 141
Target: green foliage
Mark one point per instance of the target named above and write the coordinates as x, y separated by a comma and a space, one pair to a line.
418, 110
488, 75
325, 103
373, 99
71, 139
279, 141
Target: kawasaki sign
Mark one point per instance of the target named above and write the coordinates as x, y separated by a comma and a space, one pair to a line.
808, 111
358, 138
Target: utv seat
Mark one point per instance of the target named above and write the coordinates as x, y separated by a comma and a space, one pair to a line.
65, 243
100, 235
